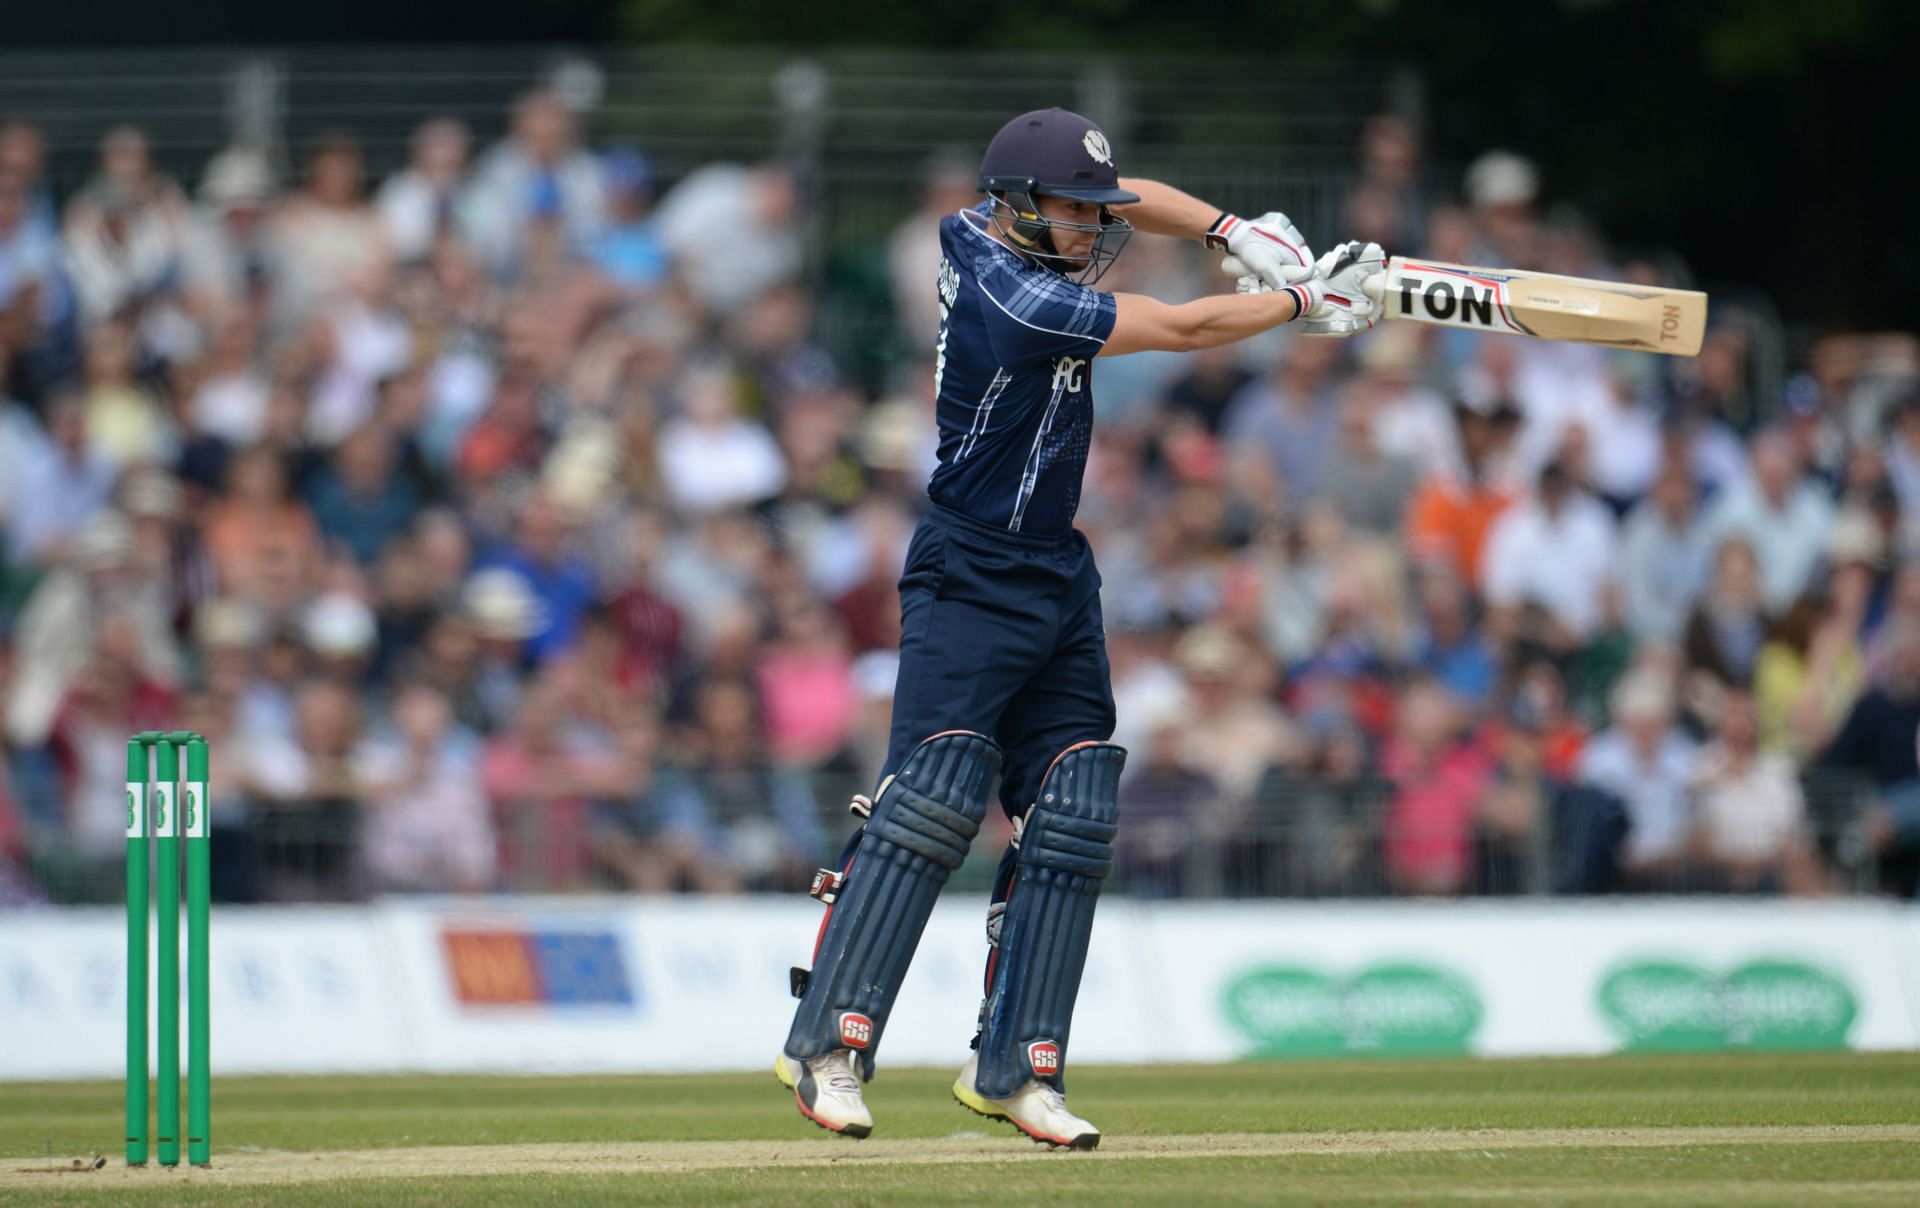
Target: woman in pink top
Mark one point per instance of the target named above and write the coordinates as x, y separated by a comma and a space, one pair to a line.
1439, 783
806, 686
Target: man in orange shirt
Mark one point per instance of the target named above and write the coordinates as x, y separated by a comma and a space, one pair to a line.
1452, 512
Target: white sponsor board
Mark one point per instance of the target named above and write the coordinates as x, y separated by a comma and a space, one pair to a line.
624, 984
681, 984
290, 990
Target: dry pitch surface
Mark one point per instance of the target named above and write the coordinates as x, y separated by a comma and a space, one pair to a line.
1756, 1129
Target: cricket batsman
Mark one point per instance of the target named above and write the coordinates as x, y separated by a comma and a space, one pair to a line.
1003, 662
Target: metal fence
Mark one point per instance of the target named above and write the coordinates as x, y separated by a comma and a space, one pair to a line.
1299, 837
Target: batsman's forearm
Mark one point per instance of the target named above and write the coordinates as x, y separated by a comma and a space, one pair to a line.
1144, 323
1165, 210
1228, 317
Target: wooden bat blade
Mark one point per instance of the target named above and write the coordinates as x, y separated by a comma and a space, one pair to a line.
1547, 306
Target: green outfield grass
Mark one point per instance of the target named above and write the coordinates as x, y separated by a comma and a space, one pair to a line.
1756, 1129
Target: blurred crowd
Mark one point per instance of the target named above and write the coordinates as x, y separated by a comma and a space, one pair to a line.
505, 525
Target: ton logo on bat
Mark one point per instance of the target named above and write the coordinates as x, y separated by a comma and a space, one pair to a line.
1441, 299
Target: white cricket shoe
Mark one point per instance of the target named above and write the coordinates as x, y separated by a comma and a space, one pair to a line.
1037, 1109
828, 1091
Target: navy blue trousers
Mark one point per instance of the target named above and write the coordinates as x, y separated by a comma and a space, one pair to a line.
1001, 633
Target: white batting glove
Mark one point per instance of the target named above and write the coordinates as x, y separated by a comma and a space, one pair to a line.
1269, 247
1353, 276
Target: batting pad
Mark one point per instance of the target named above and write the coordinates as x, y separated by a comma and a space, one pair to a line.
1066, 851
922, 824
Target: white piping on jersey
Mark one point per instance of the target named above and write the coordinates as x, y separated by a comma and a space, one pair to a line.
1030, 474
982, 409
1052, 331
966, 222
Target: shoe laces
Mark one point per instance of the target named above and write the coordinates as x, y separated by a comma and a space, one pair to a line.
837, 1073
1055, 1097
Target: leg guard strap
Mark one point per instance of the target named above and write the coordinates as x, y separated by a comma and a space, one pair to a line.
1065, 852
923, 821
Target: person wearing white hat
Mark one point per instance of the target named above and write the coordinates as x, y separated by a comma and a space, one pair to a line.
60, 628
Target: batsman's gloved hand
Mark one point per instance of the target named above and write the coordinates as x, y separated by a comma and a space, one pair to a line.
1269, 247
1353, 276
1307, 293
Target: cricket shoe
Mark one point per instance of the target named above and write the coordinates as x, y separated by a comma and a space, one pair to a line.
828, 1091
1038, 1109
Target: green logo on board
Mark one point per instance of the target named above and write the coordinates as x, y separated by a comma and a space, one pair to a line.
1396, 1008
1672, 1006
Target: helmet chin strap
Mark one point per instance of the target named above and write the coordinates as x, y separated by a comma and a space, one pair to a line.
1038, 243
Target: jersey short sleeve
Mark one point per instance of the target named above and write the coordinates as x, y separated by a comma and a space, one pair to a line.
1033, 315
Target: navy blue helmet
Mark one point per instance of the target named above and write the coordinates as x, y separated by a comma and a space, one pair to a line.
1056, 153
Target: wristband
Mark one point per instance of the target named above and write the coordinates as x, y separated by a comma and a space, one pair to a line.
1217, 234
1302, 300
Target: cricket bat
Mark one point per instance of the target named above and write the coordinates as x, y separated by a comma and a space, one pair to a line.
1550, 307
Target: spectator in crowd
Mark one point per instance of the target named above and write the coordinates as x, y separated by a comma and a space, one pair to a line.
226, 265
1290, 418
538, 173
1782, 514
1877, 739
1749, 812
426, 826
1316, 821
124, 420
730, 807
1411, 420
949, 183
1389, 205
1515, 818
110, 698
1170, 807
1453, 512
1723, 637
359, 500
1439, 780
23, 155
546, 776
1811, 669
1665, 555
326, 237
1550, 566
306, 798
1214, 377
263, 542
417, 204
95, 592
61, 482
1367, 487
229, 400
1644, 762
712, 457
125, 232
1502, 188
806, 683
1451, 646
1234, 731
629, 251
759, 208
35, 301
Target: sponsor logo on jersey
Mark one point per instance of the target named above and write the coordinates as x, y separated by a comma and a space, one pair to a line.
1069, 374
856, 1030
1044, 1057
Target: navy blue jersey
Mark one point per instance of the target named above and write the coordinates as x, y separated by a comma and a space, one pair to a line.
1014, 382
